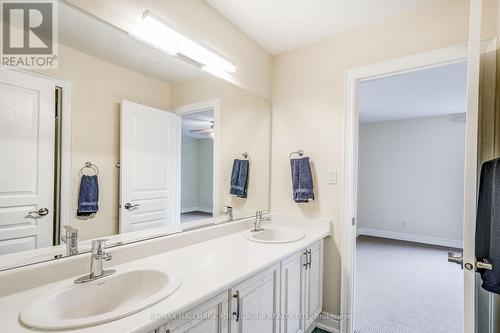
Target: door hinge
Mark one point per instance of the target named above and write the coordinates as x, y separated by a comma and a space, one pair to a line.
353, 221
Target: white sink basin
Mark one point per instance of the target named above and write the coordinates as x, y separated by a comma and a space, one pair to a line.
92, 303
275, 235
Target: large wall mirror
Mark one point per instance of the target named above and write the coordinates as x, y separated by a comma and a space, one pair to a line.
124, 142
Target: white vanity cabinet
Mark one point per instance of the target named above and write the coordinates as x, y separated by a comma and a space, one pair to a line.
210, 317
292, 293
286, 298
313, 283
255, 304
302, 281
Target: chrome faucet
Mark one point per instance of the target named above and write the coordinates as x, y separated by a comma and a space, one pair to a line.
258, 221
229, 213
70, 237
96, 258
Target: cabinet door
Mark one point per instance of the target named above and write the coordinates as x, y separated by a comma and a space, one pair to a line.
210, 317
292, 293
314, 284
255, 303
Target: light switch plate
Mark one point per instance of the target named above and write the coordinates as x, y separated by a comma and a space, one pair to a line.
332, 176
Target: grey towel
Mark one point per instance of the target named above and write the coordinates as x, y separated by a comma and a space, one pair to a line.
488, 224
302, 182
239, 178
88, 198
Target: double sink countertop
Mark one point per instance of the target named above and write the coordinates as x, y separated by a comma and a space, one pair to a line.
206, 269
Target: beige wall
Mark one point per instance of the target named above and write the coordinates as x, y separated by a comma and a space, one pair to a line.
308, 107
244, 126
98, 88
198, 20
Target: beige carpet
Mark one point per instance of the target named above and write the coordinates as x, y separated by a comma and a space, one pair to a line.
195, 216
404, 287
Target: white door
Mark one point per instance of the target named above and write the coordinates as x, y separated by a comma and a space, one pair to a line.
471, 163
148, 167
27, 119
255, 304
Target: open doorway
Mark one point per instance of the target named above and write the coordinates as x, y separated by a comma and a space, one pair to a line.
197, 159
411, 158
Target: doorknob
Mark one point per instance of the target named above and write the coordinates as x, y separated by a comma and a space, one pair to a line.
459, 259
484, 264
128, 205
40, 212
456, 258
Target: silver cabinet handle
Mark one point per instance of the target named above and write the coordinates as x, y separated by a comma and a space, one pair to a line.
128, 205
306, 265
309, 256
237, 313
40, 212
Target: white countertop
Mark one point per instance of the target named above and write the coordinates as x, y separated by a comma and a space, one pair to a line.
207, 269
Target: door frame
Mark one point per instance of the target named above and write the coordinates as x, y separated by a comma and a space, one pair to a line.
211, 104
407, 64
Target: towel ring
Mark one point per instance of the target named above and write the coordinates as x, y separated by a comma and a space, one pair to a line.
89, 165
299, 152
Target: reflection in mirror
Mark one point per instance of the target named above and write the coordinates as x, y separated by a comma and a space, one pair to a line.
122, 141
197, 160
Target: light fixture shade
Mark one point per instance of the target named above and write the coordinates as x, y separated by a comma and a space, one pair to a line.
157, 33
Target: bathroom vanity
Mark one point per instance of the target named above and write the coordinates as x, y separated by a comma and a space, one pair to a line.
227, 284
286, 295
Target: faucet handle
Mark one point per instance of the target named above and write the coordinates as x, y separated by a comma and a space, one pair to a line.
99, 245
70, 231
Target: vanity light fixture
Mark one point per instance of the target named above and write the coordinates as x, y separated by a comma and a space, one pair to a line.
156, 32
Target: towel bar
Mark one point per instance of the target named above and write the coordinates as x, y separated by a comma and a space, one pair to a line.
299, 152
89, 165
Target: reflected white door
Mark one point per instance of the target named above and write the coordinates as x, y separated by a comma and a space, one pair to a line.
148, 167
27, 119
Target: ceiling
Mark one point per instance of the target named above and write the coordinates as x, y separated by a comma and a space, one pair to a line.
427, 92
108, 43
196, 121
282, 25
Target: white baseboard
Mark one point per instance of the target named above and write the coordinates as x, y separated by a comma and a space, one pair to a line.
411, 238
327, 322
206, 209
196, 209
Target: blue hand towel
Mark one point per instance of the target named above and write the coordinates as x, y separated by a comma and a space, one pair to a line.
488, 224
302, 182
239, 178
88, 198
